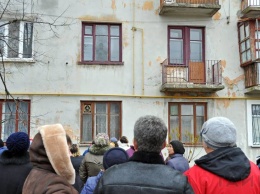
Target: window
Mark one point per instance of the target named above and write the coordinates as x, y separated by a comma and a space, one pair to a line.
253, 122
186, 120
185, 44
244, 42
100, 117
16, 39
15, 116
102, 43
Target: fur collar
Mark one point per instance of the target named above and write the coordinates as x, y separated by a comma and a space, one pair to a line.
98, 150
147, 157
57, 149
7, 158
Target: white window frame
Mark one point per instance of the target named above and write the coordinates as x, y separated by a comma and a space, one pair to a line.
249, 121
20, 51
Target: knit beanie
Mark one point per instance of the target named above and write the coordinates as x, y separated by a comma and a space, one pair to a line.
219, 132
102, 139
18, 143
114, 156
177, 147
113, 139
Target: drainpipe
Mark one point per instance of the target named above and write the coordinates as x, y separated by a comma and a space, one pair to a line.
133, 65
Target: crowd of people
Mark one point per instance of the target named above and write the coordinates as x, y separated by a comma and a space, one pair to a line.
52, 163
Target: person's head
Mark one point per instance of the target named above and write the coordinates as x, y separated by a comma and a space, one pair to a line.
18, 143
74, 149
150, 134
218, 132
1, 143
123, 139
69, 141
113, 142
176, 147
114, 156
102, 140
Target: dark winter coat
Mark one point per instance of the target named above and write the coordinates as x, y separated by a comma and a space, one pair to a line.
145, 173
76, 161
13, 172
178, 162
225, 170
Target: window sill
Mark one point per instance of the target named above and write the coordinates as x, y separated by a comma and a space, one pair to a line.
99, 63
18, 60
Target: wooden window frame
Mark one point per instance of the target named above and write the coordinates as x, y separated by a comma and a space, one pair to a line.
17, 102
195, 130
93, 35
93, 113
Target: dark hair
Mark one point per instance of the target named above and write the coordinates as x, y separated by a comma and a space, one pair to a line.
123, 139
69, 142
74, 149
1, 143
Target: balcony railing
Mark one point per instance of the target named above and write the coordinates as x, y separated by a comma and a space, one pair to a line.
189, 7
250, 8
193, 76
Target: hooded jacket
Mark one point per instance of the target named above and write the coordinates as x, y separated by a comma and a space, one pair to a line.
225, 170
52, 169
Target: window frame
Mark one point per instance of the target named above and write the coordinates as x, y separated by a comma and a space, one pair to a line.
250, 122
93, 114
195, 130
246, 38
17, 104
21, 36
93, 61
186, 37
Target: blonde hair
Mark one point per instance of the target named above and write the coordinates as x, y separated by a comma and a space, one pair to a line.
74, 149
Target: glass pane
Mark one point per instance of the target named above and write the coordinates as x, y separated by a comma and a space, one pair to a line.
248, 55
114, 126
101, 108
242, 33
257, 44
175, 33
248, 44
27, 40
88, 48
13, 40
23, 117
174, 110
195, 34
257, 35
199, 123
199, 110
187, 130
101, 48
87, 128
186, 109
257, 55
174, 133
176, 51
88, 29
256, 124
244, 57
243, 46
114, 49
196, 51
114, 108
8, 119
101, 124
2, 43
246, 30
114, 30
101, 30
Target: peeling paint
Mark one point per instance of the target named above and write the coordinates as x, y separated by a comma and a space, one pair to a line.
113, 6
103, 18
158, 103
157, 11
234, 94
150, 63
230, 83
223, 64
125, 37
147, 6
217, 16
159, 59
224, 103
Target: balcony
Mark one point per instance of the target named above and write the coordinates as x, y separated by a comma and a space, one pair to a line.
195, 76
250, 9
252, 78
205, 8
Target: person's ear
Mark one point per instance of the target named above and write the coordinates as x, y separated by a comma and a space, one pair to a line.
135, 144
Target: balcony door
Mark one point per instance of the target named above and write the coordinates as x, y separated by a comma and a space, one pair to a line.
186, 49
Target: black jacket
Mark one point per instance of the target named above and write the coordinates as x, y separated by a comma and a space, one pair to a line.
145, 173
13, 170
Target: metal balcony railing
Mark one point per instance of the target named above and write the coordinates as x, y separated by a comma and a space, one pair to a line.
213, 2
249, 3
252, 75
192, 72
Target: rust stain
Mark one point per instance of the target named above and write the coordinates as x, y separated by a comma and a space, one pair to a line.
159, 59
233, 94
125, 38
230, 83
150, 63
124, 5
223, 64
216, 16
104, 18
225, 103
113, 6
148, 5
157, 11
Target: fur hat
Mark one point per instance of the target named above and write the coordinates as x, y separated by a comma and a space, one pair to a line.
113, 139
177, 147
102, 139
219, 132
114, 156
18, 143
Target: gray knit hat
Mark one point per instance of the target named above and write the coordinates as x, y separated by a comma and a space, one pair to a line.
219, 132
